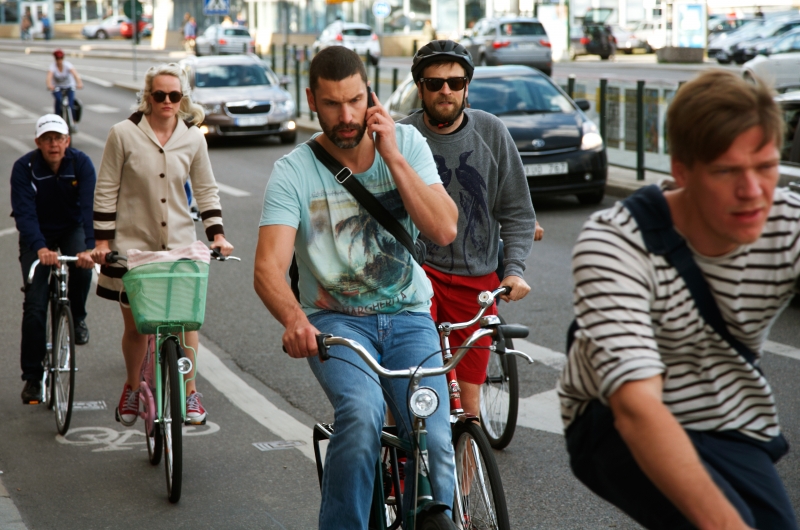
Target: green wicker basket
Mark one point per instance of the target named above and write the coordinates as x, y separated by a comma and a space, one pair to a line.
167, 294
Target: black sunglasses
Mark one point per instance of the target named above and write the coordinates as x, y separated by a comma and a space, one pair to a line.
159, 96
435, 84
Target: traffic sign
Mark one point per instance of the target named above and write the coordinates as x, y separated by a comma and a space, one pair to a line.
137, 6
216, 7
381, 9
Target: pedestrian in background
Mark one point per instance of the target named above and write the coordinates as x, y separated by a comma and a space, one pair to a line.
47, 26
26, 24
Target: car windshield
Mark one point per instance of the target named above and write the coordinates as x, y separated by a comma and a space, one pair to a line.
357, 32
516, 29
230, 75
517, 94
236, 32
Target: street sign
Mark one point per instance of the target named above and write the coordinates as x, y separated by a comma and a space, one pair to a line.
381, 9
216, 7
126, 8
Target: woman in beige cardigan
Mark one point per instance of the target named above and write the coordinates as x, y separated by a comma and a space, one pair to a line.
140, 203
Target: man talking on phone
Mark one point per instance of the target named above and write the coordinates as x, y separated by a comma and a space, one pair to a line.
355, 279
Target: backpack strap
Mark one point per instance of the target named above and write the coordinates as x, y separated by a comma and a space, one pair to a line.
650, 210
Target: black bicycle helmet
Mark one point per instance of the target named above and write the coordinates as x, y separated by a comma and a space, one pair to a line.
436, 50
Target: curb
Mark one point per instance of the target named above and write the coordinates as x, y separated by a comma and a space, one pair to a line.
91, 54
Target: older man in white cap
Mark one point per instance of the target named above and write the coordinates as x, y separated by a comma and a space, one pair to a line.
52, 191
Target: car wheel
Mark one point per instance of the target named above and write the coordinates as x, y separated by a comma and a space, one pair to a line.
604, 57
483, 61
648, 48
627, 51
594, 197
101, 35
289, 138
723, 61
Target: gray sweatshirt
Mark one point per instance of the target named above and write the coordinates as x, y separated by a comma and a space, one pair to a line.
482, 171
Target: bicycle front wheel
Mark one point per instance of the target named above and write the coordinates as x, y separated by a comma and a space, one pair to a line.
63, 374
172, 419
500, 398
49, 358
480, 501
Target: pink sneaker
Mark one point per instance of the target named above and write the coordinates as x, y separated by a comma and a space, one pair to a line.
128, 408
195, 413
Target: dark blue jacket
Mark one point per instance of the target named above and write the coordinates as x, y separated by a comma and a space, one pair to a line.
44, 204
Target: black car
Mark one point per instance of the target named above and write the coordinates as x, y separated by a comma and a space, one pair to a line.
747, 49
561, 149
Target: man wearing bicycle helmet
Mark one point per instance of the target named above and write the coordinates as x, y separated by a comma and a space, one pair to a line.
482, 171
62, 76
52, 190
356, 280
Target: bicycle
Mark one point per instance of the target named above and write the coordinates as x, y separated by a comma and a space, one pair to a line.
66, 110
58, 378
167, 299
426, 513
480, 498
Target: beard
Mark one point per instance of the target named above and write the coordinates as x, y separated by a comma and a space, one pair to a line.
344, 143
445, 117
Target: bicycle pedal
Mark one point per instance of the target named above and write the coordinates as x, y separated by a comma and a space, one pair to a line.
116, 415
189, 422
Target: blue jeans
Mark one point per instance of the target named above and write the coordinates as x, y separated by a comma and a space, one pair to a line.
70, 95
34, 310
396, 341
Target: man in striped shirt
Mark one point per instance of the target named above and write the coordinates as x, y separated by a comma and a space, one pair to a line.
664, 418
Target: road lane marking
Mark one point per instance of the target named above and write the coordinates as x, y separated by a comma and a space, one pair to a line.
782, 349
101, 108
89, 139
546, 356
275, 446
10, 518
252, 403
21, 112
8, 231
21, 147
230, 190
96, 80
90, 78
125, 440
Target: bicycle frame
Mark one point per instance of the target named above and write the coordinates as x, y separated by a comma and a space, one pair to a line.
163, 334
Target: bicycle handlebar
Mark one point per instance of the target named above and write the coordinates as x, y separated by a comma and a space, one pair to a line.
114, 256
485, 301
61, 259
325, 341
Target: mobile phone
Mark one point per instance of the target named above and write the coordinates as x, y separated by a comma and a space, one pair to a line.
370, 103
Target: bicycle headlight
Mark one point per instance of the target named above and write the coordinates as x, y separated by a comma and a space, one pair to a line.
184, 365
424, 402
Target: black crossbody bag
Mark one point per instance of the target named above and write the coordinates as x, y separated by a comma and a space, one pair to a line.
344, 176
650, 210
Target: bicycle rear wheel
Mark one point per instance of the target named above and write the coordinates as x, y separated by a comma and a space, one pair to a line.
49, 362
500, 398
63, 374
172, 419
435, 521
480, 501
152, 430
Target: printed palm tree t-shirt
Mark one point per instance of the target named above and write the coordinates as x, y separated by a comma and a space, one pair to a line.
347, 262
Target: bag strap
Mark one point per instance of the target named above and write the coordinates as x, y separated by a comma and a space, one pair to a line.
650, 210
344, 176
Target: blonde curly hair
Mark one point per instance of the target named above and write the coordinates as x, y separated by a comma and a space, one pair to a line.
188, 110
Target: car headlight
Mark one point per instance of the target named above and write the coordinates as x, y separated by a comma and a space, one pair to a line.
212, 108
591, 137
424, 402
285, 106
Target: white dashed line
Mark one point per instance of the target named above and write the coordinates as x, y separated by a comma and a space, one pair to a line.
22, 147
230, 190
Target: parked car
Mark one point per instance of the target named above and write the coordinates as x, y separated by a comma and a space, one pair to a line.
561, 149
145, 27
626, 41
719, 45
725, 24
653, 34
745, 50
220, 40
109, 27
779, 66
358, 37
790, 105
592, 40
241, 96
510, 40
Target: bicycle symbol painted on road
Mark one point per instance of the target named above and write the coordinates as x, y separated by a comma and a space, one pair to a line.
125, 440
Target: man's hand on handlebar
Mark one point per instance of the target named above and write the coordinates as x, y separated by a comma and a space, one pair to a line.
300, 339
222, 244
85, 260
47, 256
519, 288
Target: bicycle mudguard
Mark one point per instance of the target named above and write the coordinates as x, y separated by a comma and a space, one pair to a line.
431, 507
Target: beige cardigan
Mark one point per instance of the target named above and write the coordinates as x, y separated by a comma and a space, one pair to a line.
139, 200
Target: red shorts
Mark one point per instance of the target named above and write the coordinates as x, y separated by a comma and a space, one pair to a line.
455, 299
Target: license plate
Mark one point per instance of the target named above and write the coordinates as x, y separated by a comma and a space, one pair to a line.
538, 170
251, 121
526, 46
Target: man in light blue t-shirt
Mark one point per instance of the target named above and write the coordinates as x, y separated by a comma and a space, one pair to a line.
355, 279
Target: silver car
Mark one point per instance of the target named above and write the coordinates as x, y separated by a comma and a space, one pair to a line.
358, 37
109, 27
242, 96
510, 40
220, 40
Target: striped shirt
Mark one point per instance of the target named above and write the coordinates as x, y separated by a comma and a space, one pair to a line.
638, 320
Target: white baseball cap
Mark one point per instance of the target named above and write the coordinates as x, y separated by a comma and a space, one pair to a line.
51, 122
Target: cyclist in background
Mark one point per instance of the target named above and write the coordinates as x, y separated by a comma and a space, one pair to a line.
51, 197
482, 171
355, 280
62, 76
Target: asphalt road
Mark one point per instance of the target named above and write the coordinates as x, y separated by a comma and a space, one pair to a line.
99, 477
